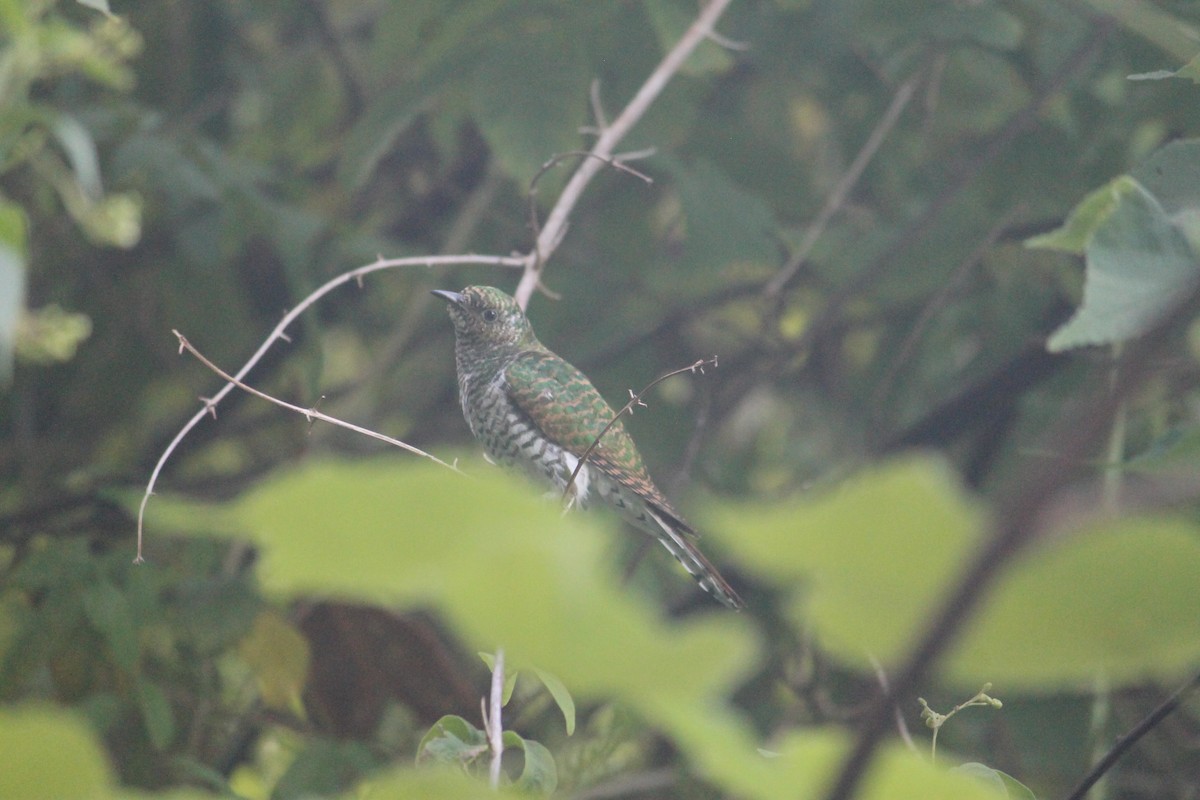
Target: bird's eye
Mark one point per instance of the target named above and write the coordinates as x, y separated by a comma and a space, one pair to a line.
489, 315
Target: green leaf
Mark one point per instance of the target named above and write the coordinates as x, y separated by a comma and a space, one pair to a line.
510, 677
540, 774
504, 565
803, 763
324, 768
1118, 600
49, 753
278, 655
107, 609
451, 740
866, 561
1005, 785
1138, 265
1083, 221
562, 697
156, 713
530, 94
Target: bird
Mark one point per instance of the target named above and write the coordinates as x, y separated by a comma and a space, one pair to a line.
533, 411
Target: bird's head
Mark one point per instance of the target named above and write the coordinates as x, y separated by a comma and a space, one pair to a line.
484, 316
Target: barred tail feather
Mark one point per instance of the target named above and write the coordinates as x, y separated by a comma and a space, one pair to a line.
697, 565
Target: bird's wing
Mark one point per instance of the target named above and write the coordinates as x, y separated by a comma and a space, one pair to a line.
563, 403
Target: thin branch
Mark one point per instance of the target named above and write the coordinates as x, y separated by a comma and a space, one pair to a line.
278, 334
837, 198
1130, 739
551, 234
495, 730
634, 400
310, 414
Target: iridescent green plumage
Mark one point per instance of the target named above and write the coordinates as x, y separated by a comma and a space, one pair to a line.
533, 410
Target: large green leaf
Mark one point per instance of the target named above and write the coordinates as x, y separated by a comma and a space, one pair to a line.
505, 564
866, 561
1119, 601
802, 764
50, 754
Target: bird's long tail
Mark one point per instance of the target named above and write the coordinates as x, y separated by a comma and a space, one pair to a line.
696, 564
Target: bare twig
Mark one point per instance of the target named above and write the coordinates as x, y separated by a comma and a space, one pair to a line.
278, 334
635, 399
606, 143
1130, 739
495, 731
837, 197
311, 414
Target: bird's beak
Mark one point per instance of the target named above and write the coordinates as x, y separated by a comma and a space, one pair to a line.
450, 297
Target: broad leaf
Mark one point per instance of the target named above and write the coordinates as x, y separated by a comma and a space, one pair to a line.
505, 565
1138, 265
864, 562
540, 774
1119, 600
452, 740
50, 754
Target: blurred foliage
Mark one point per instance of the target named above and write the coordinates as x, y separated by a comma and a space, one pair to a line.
306, 620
